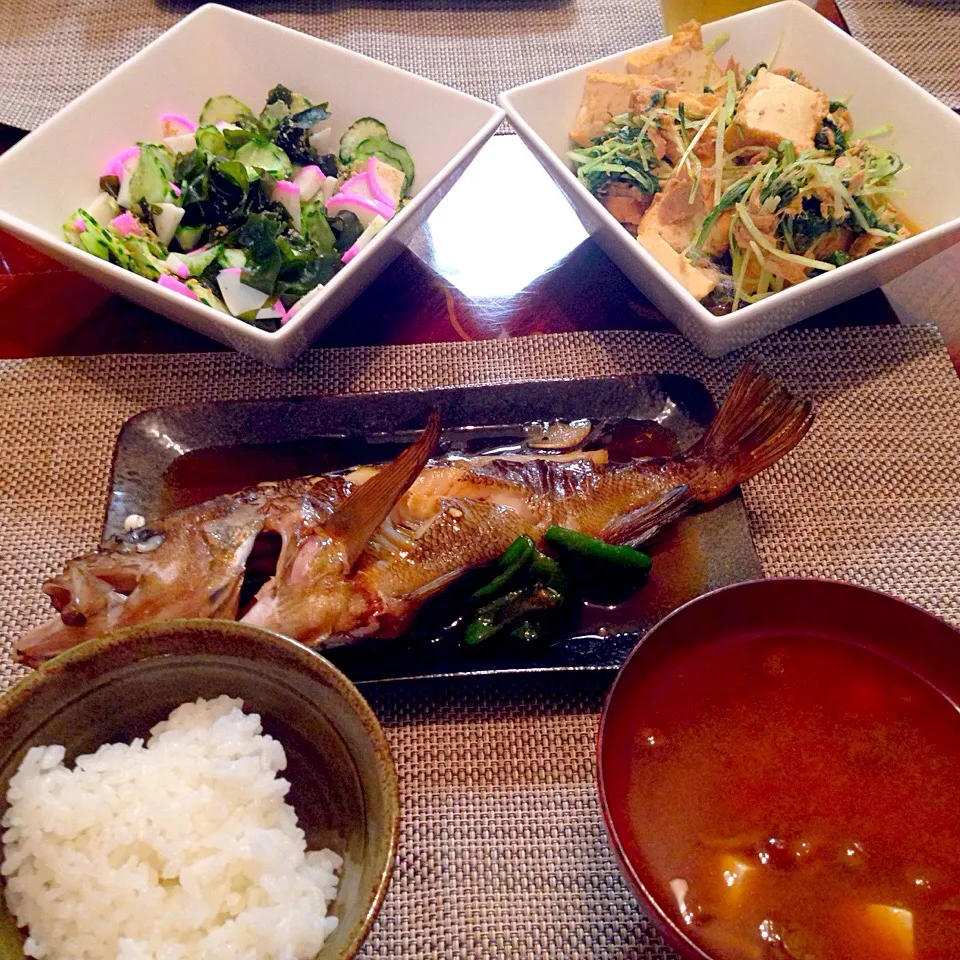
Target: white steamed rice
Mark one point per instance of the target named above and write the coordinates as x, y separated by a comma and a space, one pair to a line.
182, 848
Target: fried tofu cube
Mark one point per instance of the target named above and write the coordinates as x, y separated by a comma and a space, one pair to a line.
696, 104
775, 109
605, 96
699, 281
682, 57
673, 215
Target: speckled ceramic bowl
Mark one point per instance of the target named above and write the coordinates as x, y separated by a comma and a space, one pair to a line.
343, 782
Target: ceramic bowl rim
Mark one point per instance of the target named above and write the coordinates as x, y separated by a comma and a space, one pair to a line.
308, 660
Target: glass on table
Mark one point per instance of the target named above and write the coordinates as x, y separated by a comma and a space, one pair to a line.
676, 12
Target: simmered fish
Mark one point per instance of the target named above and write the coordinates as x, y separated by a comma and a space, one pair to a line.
360, 553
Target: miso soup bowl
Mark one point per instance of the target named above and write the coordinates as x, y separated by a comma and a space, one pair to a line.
216, 50
779, 609
343, 784
925, 133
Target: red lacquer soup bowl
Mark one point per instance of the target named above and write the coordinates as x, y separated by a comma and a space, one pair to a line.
779, 771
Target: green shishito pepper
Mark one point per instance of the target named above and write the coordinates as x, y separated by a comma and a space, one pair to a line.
517, 557
506, 610
627, 559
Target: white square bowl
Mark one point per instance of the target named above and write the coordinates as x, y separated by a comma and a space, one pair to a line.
926, 134
217, 50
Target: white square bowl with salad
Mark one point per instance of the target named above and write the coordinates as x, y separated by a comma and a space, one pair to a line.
241, 178
809, 130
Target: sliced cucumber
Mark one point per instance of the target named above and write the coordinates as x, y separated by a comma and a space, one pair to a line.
266, 156
389, 152
103, 243
231, 257
211, 141
199, 261
272, 114
152, 175
316, 227
206, 295
223, 109
94, 243
93, 239
366, 128
237, 137
147, 256
189, 237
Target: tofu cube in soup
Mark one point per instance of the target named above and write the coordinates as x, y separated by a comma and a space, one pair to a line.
682, 57
878, 931
774, 109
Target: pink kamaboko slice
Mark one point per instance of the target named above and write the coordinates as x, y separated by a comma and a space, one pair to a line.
273, 311
79, 224
359, 185
126, 224
365, 208
103, 208
386, 182
167, 221
375, 226
122, 162
310, 179
175, 124
321, 140
302, 303
287, 193
177, 265
177, 286
181, 143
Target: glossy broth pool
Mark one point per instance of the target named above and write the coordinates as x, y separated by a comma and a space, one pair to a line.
792, 798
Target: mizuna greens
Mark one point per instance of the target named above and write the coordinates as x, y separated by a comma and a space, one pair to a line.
247, 213
739, 184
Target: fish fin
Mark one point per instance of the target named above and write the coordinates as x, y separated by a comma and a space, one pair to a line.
435, 586
361, 514
759, 422
47, 640
641, 524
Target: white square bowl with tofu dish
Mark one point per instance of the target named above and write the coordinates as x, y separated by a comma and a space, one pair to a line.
749, 173
241, 178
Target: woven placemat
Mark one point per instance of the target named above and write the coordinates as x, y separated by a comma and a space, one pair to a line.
921, 38
478, 46
502, 851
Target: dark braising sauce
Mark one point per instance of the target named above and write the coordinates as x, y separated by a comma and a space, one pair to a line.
202, 474
793, 799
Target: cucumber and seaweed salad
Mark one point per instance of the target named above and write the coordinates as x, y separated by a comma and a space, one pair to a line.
248, 213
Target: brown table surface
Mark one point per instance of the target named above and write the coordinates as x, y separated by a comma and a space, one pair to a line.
502, 277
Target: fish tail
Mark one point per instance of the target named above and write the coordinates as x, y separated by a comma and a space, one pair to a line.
759, 422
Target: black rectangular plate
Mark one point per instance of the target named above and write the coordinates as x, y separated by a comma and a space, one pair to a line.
169, 456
